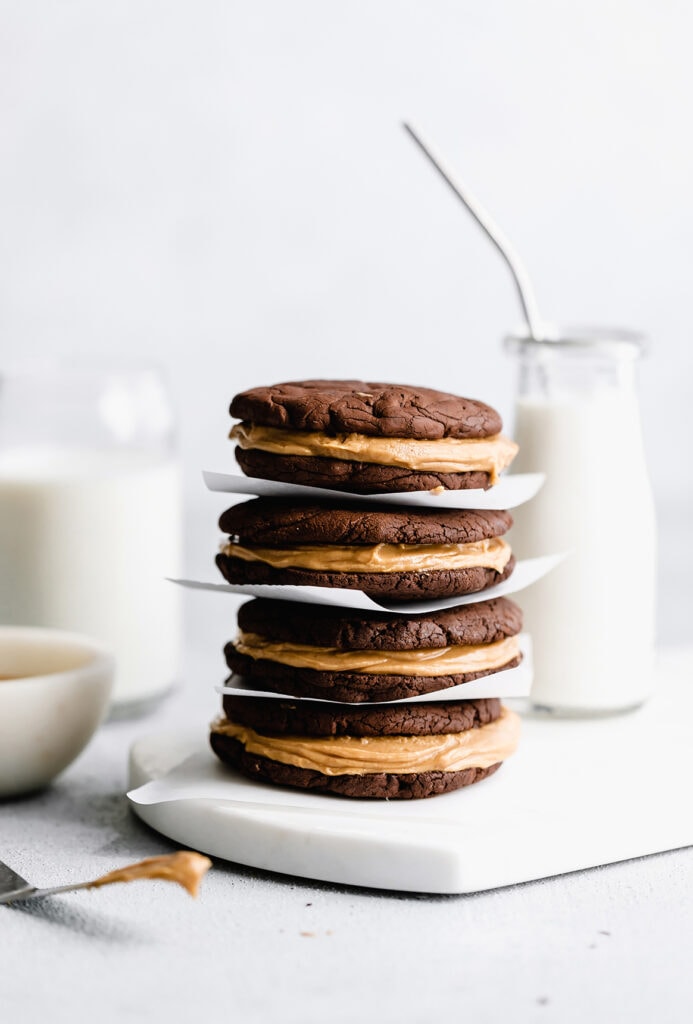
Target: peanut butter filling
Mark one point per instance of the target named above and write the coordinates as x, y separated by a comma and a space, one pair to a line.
368, 755
430, 661
185, 867
493, 553
446, 455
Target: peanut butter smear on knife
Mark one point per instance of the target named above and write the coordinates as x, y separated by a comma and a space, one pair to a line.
185, 867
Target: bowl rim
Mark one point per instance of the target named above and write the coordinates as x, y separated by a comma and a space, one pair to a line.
101, 660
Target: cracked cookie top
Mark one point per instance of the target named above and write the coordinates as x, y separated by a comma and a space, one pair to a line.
378, 410
308, 718
277, 521
483, 622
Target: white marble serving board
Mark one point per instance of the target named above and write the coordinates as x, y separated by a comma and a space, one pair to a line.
579, 793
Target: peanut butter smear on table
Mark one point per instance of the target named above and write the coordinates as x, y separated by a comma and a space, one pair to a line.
185, 867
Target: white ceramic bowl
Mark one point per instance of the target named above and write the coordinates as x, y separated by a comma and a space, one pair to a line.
54, 690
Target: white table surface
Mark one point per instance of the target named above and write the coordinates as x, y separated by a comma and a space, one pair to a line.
612, 944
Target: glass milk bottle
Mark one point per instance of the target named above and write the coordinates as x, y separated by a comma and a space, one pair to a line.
90, 515
591, 618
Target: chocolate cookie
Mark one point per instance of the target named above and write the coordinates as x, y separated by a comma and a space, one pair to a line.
278, 522
483, 622
311, 718
352, 477
354, 406
388, 587
368, 438
354, 687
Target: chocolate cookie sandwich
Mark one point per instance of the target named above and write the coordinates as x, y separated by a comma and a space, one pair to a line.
397, 554
368, 438
341, 654
384, 752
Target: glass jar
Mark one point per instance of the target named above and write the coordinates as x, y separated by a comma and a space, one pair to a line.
90, 515
592, 619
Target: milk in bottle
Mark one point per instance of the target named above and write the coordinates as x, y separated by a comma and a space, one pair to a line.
90, 515
592, 618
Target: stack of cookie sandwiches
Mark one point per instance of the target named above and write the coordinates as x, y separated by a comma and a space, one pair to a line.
337, 727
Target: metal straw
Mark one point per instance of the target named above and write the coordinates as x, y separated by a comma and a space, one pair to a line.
517, 268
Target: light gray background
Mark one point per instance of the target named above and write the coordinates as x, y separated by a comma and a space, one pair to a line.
224, 187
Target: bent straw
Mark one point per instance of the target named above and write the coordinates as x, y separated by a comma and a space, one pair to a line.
485, 221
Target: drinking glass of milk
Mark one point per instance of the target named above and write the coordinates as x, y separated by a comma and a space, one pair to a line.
592, 618
90, 514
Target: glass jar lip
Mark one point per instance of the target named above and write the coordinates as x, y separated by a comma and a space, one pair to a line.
616, 340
